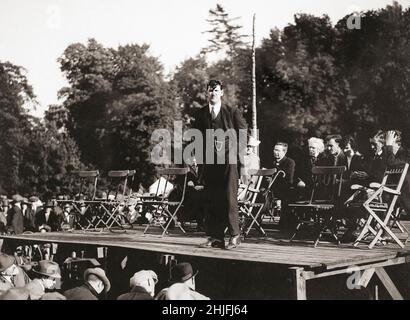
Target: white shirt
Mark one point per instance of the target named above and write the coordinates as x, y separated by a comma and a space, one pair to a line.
216, 107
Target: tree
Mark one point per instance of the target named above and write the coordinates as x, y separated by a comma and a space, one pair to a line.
190, 80
224, 33
15, 93
375, 60
116, 99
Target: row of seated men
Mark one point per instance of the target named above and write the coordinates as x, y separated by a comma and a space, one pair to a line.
43, 282
341, 151
22, 215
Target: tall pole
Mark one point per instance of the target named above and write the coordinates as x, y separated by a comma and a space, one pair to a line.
254, 132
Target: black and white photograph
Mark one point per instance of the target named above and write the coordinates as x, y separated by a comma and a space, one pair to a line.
215, 150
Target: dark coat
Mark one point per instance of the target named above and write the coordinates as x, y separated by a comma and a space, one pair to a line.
54, 220
356, 164
29, 220
15, 220
84, 292
402, 156
331, 161
221, 180
137, 293
282, 186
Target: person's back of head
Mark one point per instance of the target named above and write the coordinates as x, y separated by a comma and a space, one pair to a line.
97, 278
146, 279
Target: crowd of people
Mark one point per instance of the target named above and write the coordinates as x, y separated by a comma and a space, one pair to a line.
17, 282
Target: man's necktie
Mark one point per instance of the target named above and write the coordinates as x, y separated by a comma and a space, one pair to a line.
213, 115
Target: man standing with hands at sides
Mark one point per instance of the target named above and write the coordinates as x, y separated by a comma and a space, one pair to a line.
220, 179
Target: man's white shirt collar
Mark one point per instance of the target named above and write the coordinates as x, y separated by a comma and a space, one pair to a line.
216, 107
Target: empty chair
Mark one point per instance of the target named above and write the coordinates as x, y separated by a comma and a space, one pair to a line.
322, 208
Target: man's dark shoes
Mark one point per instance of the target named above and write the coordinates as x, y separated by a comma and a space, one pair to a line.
234, 242
213, 243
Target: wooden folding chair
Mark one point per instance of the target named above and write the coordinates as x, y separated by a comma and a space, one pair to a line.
381, 206
250, 206
87, 176
112, 211
85, 214
163, 210
320, 211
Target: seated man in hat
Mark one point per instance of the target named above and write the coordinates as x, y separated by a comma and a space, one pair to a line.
46, 272
95, 283
142, 285
11, 275
183, 284
15, 219
67, 218
251, 161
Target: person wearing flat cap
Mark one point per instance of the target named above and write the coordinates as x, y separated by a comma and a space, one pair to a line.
95, 283
11, 275
15, 219
142, 285
182, 284
46, 273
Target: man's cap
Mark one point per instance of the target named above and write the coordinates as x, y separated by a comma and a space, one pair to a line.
182, 272
253, 142
17, 198
48, 268
141, 278
100, 274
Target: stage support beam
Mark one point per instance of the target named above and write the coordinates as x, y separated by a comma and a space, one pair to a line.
298, 283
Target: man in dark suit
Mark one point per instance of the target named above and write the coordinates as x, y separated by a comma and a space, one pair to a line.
335, 156
303, 171
395, 155
48, 219
282, 188
219, 171
15, 219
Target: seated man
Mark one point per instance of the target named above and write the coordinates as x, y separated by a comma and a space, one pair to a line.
303, 171
251, 161
282, 188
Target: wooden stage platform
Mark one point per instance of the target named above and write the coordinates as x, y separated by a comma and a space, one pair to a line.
302, 261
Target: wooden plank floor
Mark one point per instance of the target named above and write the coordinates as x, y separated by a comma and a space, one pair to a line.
274, 249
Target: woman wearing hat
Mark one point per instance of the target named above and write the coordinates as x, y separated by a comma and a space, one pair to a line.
46, 273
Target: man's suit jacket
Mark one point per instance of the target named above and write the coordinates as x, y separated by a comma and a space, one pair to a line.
15, 220
232, 119
54, 220
402, 156
281, 188
331, 161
